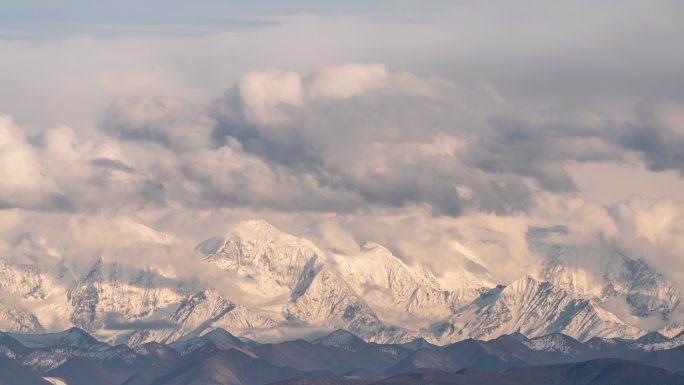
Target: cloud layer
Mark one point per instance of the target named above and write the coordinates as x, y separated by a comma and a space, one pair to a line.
437, 170
444, 135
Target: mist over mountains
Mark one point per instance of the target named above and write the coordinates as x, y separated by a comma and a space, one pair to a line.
267, 285
260, 306
335, 192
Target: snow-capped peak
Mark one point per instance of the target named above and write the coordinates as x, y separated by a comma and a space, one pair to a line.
600, 268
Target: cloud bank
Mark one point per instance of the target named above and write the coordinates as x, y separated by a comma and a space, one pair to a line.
439, 171
445, 135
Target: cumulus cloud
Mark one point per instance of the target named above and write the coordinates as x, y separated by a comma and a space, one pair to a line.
25, 183
438, 171
657, 135
347, 80
263, 95
167, 121
395, 139
338, 139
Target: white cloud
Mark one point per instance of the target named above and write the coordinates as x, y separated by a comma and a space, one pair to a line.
265, 94
440, 172
347, 80
24, 182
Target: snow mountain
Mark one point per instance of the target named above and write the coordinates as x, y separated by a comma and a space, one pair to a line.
203, 313
388, 284
301, 283
601, 269
269, 285
13, 319
533, 308
109, 288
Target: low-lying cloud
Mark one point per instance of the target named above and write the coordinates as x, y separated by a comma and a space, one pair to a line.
113, 322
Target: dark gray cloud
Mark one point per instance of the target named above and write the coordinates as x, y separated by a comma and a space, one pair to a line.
539, 150
340, 139
397, 145
661, 148
168, 122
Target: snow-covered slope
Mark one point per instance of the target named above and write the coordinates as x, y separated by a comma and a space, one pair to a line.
110, 288
600, 268
533, 308
203, 312
272, 260
403, 293
32, 288
297, 278
72, 338
31, 280
267, 284
15, 319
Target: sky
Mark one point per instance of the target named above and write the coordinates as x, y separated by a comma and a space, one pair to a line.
442, 129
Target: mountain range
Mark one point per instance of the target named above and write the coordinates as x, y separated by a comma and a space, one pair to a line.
281, 285
74, 357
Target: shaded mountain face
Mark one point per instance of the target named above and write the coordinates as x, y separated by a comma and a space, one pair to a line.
287, 286
671, 359
596, 372
79, 371
495, 355
340, 357
221, 367
12, 373
421, 377
461, 377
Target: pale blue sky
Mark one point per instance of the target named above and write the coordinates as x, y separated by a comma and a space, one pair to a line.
32, 19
